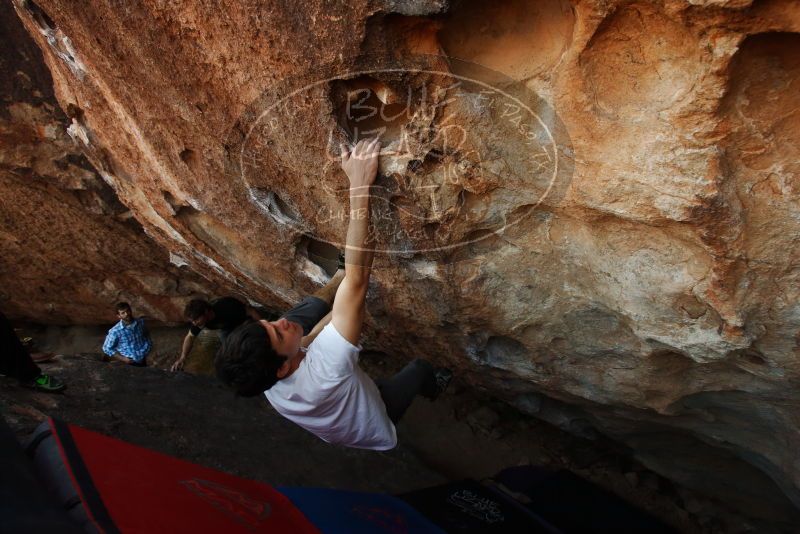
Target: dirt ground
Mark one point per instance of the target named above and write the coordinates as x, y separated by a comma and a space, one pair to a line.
462, 435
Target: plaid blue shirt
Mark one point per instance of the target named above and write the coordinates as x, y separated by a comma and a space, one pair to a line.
132, 341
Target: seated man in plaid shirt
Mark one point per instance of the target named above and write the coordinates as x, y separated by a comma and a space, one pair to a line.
128, 341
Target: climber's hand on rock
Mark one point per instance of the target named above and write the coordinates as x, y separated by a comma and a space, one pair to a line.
177, 366
361, 164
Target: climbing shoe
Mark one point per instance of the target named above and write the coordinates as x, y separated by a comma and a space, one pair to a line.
46, 383
443, 377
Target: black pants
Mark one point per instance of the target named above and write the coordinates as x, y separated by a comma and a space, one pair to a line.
398, 392
14, 357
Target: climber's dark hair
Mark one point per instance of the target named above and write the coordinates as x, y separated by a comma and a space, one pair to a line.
246, 360
195, 309
123, 306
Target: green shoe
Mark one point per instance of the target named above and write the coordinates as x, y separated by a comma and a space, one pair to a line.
47, 383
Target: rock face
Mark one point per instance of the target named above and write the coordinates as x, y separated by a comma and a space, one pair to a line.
609, 243
70, 248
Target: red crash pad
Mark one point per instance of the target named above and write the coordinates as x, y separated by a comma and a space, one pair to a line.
125, 488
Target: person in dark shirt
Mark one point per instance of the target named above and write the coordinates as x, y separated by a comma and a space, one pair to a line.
223, 314
15, 361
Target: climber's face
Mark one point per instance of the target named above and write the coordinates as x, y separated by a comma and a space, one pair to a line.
284, 336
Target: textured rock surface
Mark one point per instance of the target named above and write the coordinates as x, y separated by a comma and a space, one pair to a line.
70, 249
653, 298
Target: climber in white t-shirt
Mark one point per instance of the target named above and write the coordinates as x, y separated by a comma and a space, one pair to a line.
312, 376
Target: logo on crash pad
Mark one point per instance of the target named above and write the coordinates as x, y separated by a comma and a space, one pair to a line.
235, 504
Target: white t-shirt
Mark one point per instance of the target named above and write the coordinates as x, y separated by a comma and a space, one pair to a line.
331, 397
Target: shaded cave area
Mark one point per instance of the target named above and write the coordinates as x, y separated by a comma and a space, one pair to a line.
191, 416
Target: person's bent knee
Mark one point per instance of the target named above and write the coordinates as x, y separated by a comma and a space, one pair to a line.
422, 364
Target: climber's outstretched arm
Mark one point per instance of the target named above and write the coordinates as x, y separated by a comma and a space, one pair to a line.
361, 166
